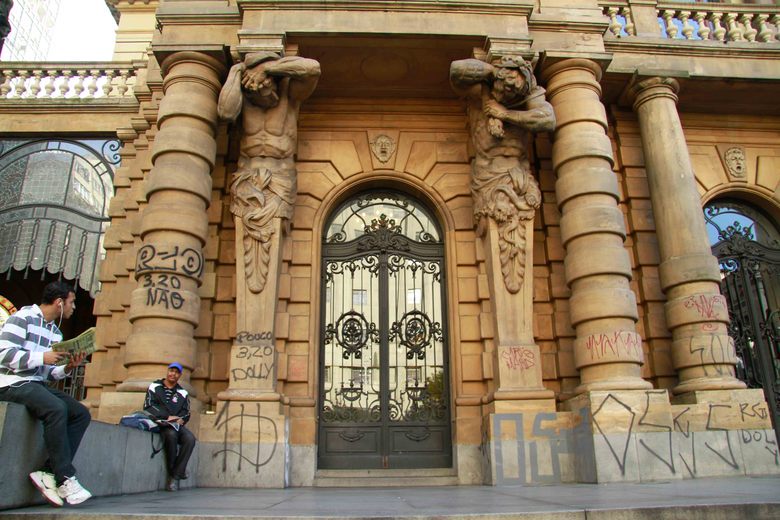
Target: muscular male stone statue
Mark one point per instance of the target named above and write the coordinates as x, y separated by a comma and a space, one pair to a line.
269, 89
504, 105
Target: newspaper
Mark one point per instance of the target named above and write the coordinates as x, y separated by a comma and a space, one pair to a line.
84, 342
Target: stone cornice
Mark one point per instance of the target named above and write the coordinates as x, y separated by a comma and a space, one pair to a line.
68, 106
174, 14
678, 48
513, 7
555, 24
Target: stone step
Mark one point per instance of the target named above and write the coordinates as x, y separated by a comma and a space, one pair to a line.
385, 477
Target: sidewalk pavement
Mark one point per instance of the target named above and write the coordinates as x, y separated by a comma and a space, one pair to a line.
707, 498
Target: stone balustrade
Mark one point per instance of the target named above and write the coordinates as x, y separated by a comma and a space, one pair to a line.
82, 81
712, 22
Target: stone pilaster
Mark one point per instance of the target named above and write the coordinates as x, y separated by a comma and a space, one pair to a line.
607, 349
165, 305
696, 313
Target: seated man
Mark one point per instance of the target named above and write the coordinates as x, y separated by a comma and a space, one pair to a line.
27, 362
169, 403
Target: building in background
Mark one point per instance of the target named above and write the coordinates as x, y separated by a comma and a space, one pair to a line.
31, 27
386, 286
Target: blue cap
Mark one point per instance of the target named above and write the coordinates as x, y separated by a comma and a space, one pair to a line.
177, 366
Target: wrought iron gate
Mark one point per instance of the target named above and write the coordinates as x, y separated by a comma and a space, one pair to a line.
750, 282
384, 397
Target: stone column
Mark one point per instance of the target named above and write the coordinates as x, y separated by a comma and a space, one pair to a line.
607, 349
696, 313
165, 306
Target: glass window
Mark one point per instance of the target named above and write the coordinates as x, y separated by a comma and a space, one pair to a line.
386, 209
724, 218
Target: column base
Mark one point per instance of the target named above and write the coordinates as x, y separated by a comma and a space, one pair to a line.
705, 384
241, 394
113, 405
617, 385
245, 444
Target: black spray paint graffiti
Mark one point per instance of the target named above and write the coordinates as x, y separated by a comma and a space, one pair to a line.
261, 356
163, 290
252, 422
172, 259
643, 422
620, 458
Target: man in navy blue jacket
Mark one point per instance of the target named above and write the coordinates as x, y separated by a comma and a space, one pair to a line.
169, 403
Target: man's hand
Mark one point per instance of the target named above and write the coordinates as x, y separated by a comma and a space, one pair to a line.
493, 108
51, 357
253, 78
175, 419
75, 360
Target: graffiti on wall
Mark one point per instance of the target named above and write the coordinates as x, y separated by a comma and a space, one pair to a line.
249, 436
632, 434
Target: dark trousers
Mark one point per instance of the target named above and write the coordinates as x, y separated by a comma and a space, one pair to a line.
178, 447
64, 422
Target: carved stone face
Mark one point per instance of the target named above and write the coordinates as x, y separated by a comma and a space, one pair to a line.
509, 85
383, 147
735, 161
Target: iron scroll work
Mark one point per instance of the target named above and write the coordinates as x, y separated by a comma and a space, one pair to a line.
383, 371
750, 270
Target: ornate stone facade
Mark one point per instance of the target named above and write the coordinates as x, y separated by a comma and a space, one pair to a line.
586, 336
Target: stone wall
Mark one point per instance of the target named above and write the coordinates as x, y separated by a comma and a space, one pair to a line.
112, 459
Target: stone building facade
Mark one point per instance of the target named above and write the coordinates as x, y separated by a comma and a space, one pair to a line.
556, 314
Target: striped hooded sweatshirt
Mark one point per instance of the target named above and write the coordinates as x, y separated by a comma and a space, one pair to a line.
24, 339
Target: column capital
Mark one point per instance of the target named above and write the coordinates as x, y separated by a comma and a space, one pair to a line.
563, 71
209, 58
552, 63
643, 89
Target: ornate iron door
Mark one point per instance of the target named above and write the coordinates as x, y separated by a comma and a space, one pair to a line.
384, 399
751, 285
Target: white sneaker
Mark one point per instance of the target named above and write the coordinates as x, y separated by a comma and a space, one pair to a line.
47, 485
73, 492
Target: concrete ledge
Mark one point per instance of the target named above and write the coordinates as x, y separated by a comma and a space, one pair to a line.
112, 459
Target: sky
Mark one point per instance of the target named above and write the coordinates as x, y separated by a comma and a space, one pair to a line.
85, 31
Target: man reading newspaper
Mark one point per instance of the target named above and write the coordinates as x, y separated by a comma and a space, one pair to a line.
27, 362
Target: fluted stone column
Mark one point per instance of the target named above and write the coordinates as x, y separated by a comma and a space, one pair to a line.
702, 351
607, 349
165, 306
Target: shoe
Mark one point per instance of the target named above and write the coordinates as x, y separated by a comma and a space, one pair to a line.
170, 484
183, 476
72, 492
47, 485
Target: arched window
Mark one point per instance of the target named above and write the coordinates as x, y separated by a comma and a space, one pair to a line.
726, 217
54, 196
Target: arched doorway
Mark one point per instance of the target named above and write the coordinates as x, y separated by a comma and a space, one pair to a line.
384, 381
747, 244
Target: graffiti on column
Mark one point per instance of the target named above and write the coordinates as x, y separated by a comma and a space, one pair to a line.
614, 344
518, 358
173, 259
715, 353
706, 305
257, 359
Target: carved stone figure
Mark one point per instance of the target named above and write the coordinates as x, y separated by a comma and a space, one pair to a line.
504, 105
735, 161
383, 147
269, 90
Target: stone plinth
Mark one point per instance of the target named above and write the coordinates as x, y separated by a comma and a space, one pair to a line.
245, 444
